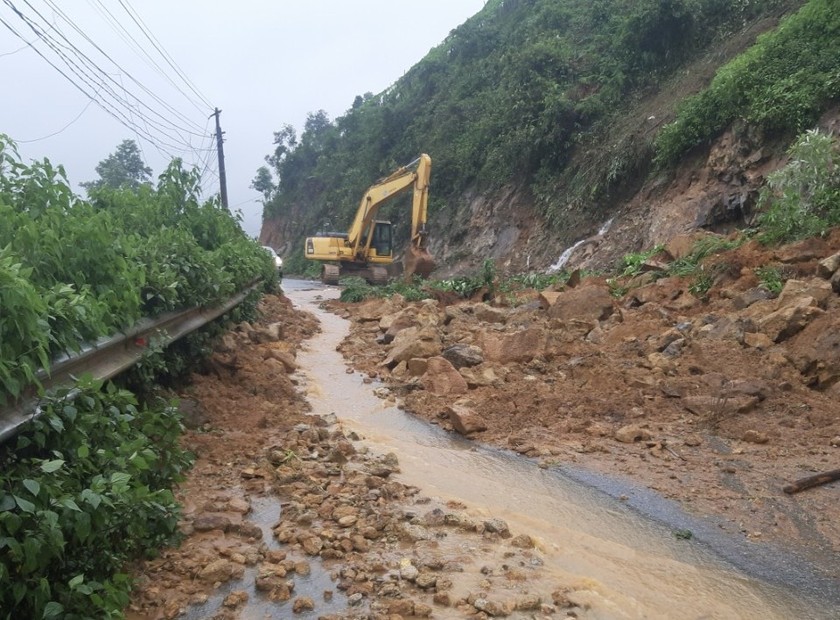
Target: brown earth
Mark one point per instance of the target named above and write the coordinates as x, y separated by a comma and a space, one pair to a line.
715, 400
385, 551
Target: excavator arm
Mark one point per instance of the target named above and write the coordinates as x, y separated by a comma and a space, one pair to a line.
359, 236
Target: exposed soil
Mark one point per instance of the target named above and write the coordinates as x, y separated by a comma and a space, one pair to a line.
716, 401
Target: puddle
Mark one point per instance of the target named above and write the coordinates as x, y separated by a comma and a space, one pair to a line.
618, 562
265, 512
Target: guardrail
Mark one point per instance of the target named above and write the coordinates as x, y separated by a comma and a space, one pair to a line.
111, 356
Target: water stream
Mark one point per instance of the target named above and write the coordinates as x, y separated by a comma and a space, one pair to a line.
622, 563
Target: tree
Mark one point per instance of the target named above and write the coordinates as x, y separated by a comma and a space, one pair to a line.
263, 183
122, 168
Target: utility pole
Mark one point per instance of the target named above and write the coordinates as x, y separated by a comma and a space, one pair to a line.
221, 149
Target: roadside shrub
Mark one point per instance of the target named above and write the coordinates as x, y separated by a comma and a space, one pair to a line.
84, 489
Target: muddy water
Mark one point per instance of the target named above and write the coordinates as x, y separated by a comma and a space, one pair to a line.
617, 563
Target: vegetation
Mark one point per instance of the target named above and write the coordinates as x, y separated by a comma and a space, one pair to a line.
779, 86
72, 271
803, 198
122, 168
83, 491
504, 100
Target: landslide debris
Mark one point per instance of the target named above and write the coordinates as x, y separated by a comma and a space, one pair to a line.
711, 388
279, 494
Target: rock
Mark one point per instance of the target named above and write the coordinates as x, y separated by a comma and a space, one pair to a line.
835, 442
818, 289
463, 355
632, 433
206, 522
523, 541
374, 310
463, 417
489, 314
549, 298
828, 266
443, 599
802, 251
285, 358
409, 572
748, 298
497, 526
586, 303
348, 521
790, 319
521, 346
411, 343
247, 529
239, 505
757, 340
528, 602
683, 245
417, 366
303, 603
426, 581
752, 436
747, 387
312, 545
217, 571
491, 608
719, 405
441, 378
235, 599
192, 414
401, 607
355, 599
835, 282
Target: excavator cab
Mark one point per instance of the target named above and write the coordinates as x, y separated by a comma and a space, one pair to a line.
382, 240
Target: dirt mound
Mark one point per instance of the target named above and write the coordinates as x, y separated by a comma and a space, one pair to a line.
710, 389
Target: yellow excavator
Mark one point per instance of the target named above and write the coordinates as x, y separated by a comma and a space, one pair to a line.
366, 249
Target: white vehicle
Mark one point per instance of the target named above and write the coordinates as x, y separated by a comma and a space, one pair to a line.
278, 261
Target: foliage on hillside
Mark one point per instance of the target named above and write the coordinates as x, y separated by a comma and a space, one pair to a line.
779, 86
504, 99
72, 271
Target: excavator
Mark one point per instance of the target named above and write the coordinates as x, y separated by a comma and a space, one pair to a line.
366, 249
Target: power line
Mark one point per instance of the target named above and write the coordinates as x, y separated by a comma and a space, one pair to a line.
90, 71
97, 70
64, 16
55, 133
159, 47
104, 105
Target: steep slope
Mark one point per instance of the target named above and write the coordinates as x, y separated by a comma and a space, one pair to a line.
544, 120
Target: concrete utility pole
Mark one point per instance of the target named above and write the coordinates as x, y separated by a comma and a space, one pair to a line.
221, 149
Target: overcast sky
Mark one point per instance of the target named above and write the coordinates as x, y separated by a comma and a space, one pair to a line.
263, 63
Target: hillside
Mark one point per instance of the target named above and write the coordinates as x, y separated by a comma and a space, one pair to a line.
546, 120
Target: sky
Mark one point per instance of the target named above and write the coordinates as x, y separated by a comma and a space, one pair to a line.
263, 63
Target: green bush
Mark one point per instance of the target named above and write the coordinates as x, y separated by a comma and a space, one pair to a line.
803, 198
84, 489
72, 271
779, 85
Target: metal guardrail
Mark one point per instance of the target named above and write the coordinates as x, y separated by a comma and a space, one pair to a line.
111, 356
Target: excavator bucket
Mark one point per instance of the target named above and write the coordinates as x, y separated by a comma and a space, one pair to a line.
417, 261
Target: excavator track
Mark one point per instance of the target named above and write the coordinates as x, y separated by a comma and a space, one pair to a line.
330, 274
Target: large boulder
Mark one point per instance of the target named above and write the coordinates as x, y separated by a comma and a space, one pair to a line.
790, 319
817, 288
413, 342
442, 379
520, 346
586, 303
463, 416
464, 355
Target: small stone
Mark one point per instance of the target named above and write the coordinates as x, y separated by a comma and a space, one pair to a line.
497, 526
303, 603
347, 521
302, 568
632, 433
355, 599
409, 572
426, 581
752, 436
529, 602
442, 598
235, 599
523, 541
835, 442
207, 522
218, 570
